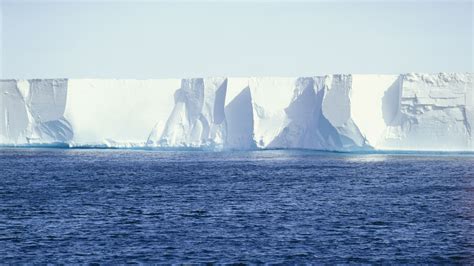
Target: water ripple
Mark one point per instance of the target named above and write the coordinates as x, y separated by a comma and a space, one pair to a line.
138, 206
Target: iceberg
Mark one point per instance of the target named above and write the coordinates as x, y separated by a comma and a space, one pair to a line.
342, 112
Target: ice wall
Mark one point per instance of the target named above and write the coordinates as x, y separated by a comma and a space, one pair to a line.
32, 112
332, 112
118, 113
434, 112
255, 110
197, 118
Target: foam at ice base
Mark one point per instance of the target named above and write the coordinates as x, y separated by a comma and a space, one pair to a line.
333, 112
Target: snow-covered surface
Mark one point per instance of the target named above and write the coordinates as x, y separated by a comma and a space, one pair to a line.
334, 112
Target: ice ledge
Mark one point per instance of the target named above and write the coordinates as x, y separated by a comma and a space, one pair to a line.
409, 112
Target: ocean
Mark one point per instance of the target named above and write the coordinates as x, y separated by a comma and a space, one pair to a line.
274, 206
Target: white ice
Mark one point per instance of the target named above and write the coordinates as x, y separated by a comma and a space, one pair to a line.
332, 112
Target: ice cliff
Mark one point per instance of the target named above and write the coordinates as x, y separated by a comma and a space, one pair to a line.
332, 112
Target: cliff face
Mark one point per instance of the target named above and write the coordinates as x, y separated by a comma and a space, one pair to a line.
333, 112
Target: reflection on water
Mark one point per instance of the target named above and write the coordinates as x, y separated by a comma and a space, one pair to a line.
367, 158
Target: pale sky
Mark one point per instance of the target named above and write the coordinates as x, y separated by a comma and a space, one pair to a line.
109, 39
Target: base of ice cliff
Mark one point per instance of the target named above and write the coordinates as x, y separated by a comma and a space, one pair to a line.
419, 112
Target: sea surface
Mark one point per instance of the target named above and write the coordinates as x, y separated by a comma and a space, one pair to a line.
148, 206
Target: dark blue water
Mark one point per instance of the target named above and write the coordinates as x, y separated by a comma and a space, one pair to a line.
59, 205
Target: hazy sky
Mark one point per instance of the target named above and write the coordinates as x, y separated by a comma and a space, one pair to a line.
165, 39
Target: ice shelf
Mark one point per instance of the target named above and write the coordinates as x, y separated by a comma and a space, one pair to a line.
419, 112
